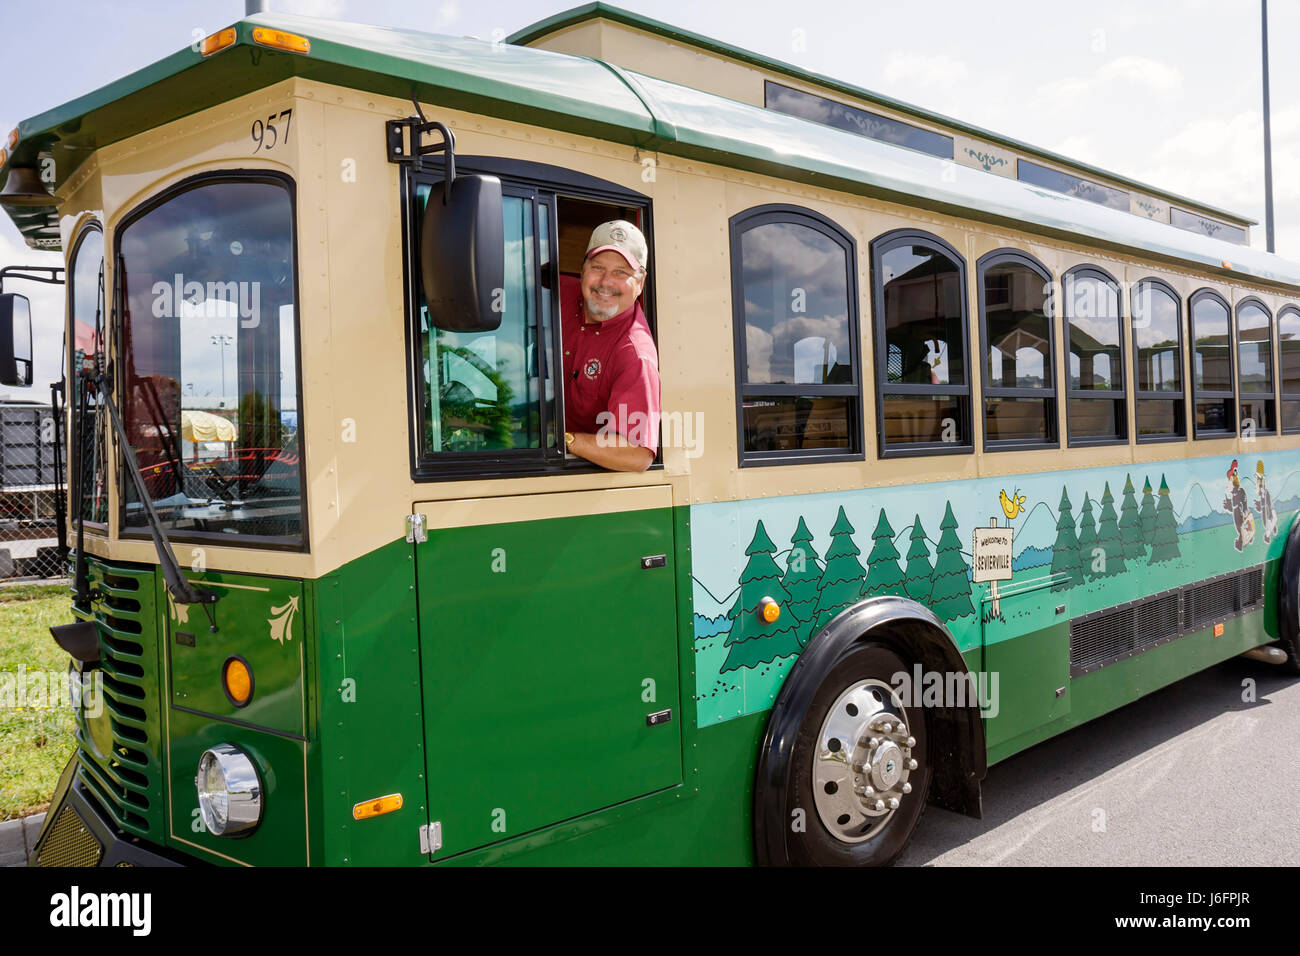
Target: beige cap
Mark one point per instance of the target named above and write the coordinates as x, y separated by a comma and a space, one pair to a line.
622, 237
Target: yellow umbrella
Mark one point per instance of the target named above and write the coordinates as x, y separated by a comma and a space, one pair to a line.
197, 426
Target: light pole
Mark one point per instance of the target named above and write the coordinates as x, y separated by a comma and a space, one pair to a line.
1268, 138
223, 341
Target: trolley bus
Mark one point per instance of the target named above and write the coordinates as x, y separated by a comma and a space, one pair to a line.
963, 444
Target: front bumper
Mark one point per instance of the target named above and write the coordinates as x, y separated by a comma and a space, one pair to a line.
77, 833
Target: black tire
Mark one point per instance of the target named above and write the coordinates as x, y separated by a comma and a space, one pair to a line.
1288, 600
791, 825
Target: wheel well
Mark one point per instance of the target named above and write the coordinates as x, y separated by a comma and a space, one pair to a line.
913, 632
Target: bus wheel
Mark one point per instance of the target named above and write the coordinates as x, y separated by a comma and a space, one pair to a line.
853, 781
1288, 600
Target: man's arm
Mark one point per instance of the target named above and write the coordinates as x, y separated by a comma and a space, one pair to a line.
611, 451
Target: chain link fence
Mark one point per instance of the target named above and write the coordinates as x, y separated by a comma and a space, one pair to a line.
28, 500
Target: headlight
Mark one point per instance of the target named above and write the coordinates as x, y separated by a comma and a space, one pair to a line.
230, 792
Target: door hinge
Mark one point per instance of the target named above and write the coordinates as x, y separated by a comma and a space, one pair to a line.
415, 529
431, 838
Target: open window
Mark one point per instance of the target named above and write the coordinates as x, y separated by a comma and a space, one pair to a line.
492, 403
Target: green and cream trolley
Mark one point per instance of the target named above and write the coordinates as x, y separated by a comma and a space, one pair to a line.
963, 444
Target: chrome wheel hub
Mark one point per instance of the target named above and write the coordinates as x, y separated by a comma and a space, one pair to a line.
862, 761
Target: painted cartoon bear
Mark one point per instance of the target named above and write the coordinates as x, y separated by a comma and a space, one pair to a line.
1235, 501
1264, 504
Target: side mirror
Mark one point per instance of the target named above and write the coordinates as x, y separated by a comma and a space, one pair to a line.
16, 339
462, 255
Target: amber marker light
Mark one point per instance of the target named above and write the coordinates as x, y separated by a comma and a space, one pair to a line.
377, 807
237, 679
279, 40
217, 41
13, 138
4, 155
1218, 630
768, 610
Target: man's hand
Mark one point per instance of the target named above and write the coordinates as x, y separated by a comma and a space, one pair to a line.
611, 451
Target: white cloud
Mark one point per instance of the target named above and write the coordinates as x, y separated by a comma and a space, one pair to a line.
326, 9
921, 69
1120, 79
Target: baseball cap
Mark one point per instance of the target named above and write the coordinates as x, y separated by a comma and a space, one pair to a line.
622, 237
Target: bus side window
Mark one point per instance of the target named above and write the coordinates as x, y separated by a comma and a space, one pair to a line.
1096, 403
1212, 392
922, 356
794, 301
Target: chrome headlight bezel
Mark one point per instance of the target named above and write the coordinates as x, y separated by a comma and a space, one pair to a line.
234, 806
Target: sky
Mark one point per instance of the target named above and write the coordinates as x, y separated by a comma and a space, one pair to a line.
1167, 92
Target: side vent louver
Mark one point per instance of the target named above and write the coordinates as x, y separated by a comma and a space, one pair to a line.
1116, 633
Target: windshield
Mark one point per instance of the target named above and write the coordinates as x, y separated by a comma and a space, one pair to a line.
210, 354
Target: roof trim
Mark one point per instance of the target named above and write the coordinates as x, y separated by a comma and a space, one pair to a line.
598, 11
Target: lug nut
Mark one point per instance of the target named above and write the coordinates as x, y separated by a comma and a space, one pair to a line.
902, 728
873, 742
880, 805
893, 803
911, 765
907, 788
887, 727
911, 741
868, 791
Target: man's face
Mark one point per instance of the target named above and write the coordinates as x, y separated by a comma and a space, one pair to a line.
610, 285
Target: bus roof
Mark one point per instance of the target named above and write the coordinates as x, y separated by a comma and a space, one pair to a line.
595, 98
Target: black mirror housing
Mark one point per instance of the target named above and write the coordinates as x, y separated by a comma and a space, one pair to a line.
16, 340
462, 255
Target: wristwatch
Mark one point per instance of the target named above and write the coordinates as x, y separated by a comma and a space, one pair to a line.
568, 441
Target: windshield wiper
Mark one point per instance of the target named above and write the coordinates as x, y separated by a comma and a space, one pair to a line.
180, 589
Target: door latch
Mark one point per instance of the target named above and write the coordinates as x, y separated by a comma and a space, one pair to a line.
415, 529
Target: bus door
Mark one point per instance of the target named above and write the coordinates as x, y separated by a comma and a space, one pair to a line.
548, 656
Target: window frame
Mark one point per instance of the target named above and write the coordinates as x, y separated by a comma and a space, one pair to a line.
117, 334
1198, 394
73, 379
882, 244
1052, 395
740, 224
545, 185
1242, 394
1283, 395
1090, 271
1181, 395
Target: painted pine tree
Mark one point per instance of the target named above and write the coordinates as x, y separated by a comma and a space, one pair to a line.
1148, 513
752, 640
884, 576
1109, 537
1164, 536
950, 596
802, 574
1130, 523
1065, 552
841, 581
1087, 540
920, 575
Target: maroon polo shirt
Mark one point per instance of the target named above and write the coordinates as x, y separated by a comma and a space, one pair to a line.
609, 366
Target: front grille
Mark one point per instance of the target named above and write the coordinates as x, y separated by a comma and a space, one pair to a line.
127, 780
1114, 634
69, 843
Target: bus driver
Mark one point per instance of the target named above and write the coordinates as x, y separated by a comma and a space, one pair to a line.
611, 367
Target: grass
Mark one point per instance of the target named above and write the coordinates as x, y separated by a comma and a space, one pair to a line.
36, 739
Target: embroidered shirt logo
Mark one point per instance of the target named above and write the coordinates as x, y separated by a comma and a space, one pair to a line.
592, 368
